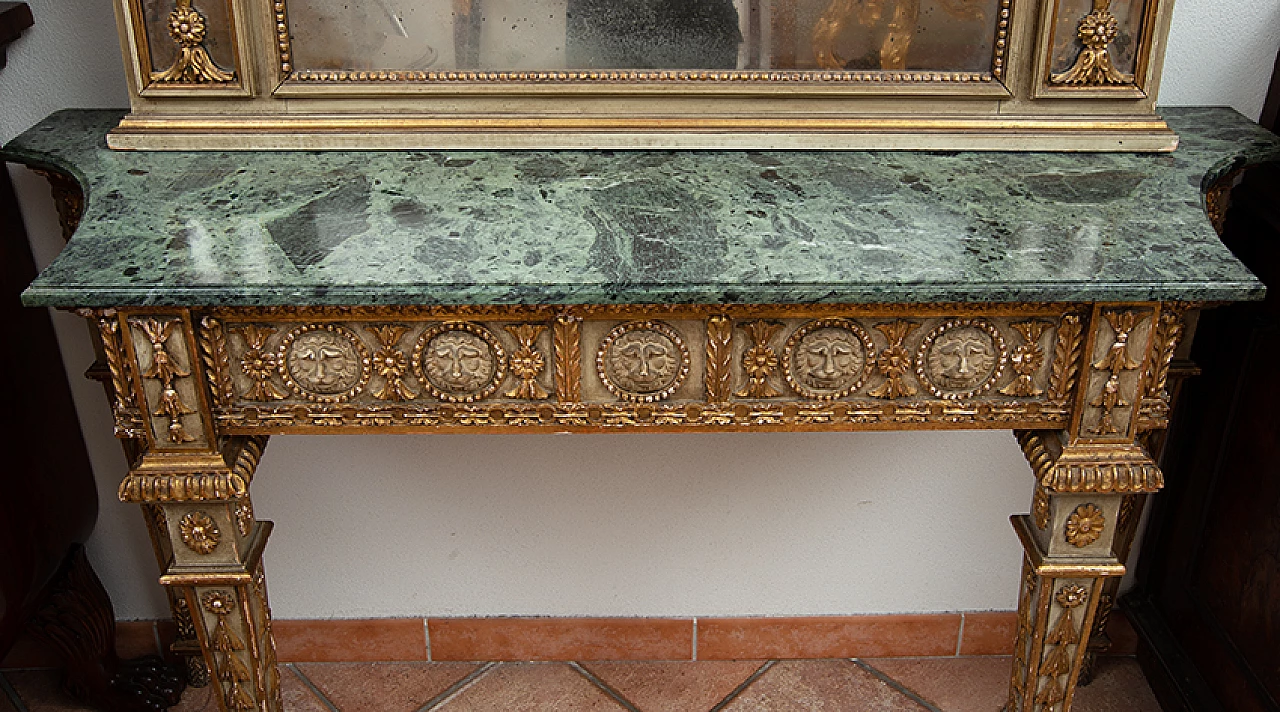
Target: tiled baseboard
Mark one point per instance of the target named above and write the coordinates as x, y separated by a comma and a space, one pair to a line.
442, 639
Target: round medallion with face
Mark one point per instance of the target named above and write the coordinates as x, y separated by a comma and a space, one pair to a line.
643, 361
828, 358
460, 362
324, 363
961, 358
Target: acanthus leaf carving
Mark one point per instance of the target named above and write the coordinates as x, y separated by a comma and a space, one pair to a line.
1066, 357
566, 342
193, 65
217, 359
391, 364
1094, 66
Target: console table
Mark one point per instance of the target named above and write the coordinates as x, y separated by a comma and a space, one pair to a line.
240, 295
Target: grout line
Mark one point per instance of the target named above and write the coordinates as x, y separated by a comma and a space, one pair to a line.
695, 638
457, 687
897, 686
426, 633
310, 685
12, 694
960, 635
740, 688
617, 696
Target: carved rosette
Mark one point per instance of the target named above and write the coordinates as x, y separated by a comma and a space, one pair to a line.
826, 359
527, 362
1085, 525
1027, 359
961, 358
324, 363
643, 361
760, 361
199, 532
391, 364
459, 362
259, 364
894, 361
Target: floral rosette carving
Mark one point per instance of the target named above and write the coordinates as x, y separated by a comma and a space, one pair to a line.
259, 364
1072, 595
193, 65
527, 362
1085, 525
760, 361
391, 364
894, 361
199, 532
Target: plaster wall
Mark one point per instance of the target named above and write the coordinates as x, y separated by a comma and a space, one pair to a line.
604, 525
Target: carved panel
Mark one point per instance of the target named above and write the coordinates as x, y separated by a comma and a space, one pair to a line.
827, 359
165, 366
1113, 384
961, 358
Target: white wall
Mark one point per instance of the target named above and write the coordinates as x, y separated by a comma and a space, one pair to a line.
617, 525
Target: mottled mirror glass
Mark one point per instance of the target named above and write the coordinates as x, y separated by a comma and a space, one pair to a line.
568, 35
1117, 19
157, 16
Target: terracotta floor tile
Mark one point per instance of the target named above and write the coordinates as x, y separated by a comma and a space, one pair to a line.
1118, 686
561, 639
827, 637
966, 684
673, 687
821, 686
355, 640
989, 633
531, 687
383, 687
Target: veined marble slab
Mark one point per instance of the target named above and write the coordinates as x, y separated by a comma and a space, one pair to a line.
599, 227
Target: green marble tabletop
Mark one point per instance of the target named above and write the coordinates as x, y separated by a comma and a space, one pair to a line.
589, 227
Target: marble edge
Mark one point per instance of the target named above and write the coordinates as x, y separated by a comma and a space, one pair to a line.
701, 294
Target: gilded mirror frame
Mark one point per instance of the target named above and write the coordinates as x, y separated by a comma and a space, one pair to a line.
231, 81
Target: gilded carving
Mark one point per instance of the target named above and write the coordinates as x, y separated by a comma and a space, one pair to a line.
193, 65
197, 487
217, 359
760, 361
1085, 525
566, 340
1040, 508
1116, 361
244, 516
124, 407
325, 363
391, 364
259, 363
1168, 333
719, 358
961, 358
68, 200
226, 645
1057, 661
1093, 66
1122, 469
1066, 356
1026, 359
643, 361
459, 362
165, 369
527, 362
199, 532
826, 359
894, 361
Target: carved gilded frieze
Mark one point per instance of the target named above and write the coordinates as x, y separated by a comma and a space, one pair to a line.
1123, 469
695, 369
231, 483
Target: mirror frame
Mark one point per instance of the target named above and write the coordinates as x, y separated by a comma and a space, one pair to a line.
264, 102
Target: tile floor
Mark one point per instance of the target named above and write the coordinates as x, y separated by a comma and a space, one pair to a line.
953, 684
